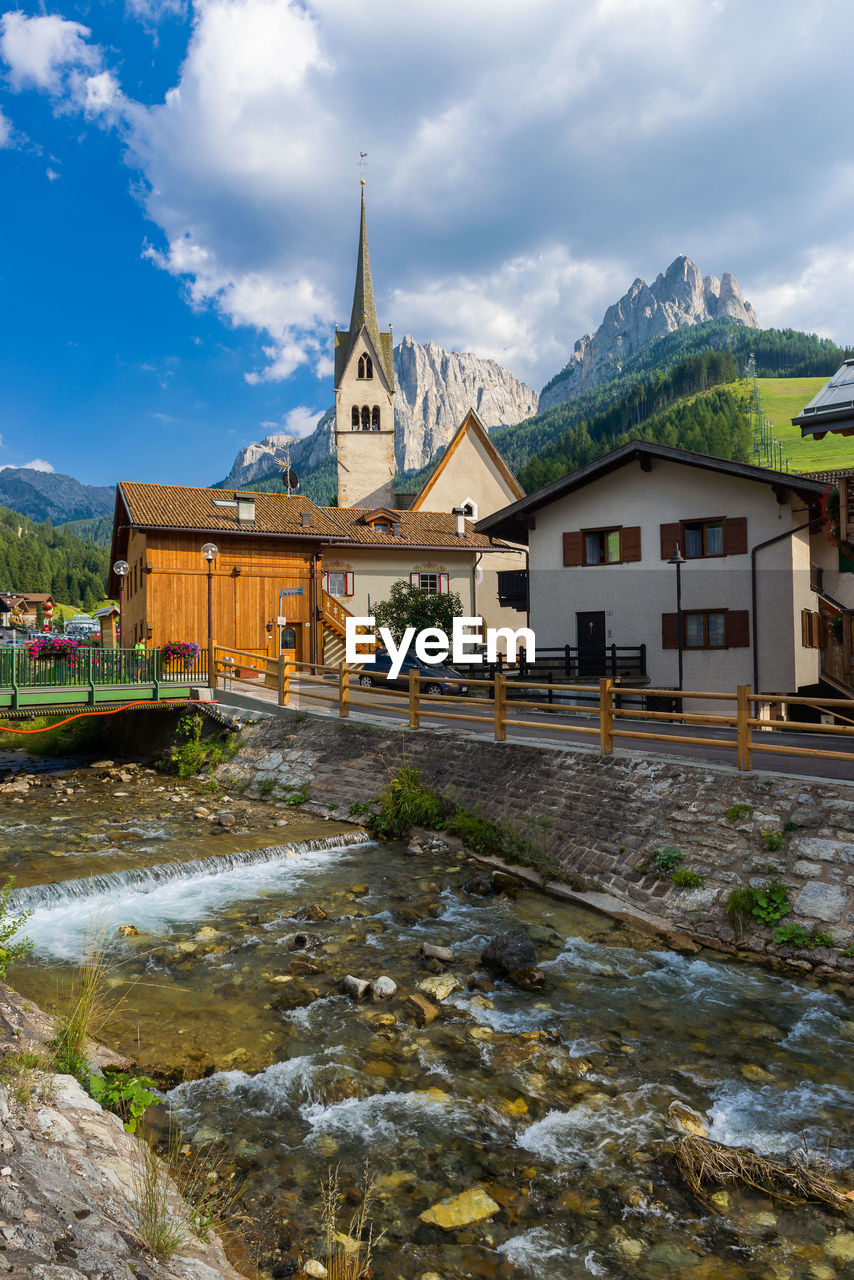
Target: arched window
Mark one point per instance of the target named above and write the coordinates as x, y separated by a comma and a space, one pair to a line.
354, 418
366, 418
375, 418
366, 367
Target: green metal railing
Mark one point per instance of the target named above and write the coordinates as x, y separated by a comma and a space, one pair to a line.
93, 670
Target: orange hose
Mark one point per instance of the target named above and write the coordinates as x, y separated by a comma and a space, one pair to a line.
80, 714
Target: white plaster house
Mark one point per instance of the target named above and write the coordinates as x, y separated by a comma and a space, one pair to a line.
600, 542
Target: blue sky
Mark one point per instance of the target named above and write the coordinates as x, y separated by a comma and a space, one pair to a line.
180, 188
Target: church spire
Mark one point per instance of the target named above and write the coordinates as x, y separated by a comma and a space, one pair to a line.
364, 308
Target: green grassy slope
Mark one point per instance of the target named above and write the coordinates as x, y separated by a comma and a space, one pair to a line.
782, 399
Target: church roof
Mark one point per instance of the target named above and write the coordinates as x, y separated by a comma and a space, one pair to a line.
364, 314
470, 423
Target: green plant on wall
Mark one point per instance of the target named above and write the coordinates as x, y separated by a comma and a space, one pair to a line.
771, 902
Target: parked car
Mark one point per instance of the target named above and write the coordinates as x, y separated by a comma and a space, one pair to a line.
440, 678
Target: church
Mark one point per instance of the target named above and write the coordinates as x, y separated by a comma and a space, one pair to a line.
322, 563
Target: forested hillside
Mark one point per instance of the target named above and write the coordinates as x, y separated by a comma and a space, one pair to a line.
38, 557
778, 352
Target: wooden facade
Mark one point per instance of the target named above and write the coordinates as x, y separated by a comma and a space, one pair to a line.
166, 591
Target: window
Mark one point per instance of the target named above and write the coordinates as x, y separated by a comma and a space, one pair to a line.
706, 630
435, 584
338, 583
375, 418
366, 418
704, 538
366, 368
602, 546
354, 418
380, 526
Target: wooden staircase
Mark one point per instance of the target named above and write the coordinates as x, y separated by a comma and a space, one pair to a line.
335, 617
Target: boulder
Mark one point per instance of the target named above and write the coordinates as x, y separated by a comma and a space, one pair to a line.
305, 942
358, 988
460, 1211
437, 953
480, 887
313, 912
508, 953
226, 819
440, 987
128, 930
528, 978
423, 1009
383, 988
685, 1118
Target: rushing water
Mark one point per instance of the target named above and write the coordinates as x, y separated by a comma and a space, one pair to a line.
555, 1103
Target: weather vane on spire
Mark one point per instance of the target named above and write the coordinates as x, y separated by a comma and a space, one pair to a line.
363, 164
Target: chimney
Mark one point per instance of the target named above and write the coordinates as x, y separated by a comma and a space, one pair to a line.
246, 511
305, 519
396, 529
460, 513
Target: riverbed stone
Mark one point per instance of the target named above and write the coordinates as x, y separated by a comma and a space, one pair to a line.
440, 987
462, 1210
687, 1119
445, 954
424, 1010
358, 988
508, 952
383, 988
821, 901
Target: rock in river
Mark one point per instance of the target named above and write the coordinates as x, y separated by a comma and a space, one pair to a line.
509, 952
530, 978
685, 1118
461, 1211
440, 987
383, 988
358, 988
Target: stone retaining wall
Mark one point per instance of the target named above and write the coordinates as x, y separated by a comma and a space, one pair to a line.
602, 818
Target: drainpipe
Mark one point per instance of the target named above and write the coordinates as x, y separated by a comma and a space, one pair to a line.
474, 570
760, 546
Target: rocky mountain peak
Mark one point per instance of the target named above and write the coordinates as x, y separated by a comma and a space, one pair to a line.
679, 296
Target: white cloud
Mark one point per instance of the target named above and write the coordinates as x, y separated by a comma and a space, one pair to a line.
40, 50
37, 464
52, 175
151, 12
7, 132
525, 166
300, 421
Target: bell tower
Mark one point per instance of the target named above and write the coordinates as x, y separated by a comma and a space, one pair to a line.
364, 396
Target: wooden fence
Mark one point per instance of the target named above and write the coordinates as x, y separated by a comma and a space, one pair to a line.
600, 718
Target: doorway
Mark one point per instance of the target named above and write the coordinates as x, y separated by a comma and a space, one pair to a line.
591, 644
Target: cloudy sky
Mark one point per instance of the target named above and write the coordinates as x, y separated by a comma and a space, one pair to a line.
180, 195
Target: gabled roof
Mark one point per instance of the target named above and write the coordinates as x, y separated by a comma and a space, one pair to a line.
429, 530
829, 477
832, 408
513, 522
363, 315
172, 506
471, 424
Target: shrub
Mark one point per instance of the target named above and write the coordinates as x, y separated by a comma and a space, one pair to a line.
298, 796
11, 950
406, 802
667, 860
75, 1027
686, 879
795, 935
129, 1096
736, 811
773, 839
772, 902
739, 908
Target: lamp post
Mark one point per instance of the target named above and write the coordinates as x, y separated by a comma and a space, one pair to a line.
210, 551
121, 569
678, 559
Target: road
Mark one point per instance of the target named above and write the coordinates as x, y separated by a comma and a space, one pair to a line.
563, 729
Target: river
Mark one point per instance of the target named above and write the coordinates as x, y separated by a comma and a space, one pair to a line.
555, 1103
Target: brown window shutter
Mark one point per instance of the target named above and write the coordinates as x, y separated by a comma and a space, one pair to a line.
670, 535
630, 543
670, 631
738, 629
572, 548
806, 631
735, 536
815, 631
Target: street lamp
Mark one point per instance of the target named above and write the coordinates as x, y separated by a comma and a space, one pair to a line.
210, 551
678, 559
121, 569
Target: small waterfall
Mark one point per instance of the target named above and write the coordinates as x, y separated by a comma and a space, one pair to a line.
146, 879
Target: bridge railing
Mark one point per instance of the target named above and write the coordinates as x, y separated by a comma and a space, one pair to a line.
99, 668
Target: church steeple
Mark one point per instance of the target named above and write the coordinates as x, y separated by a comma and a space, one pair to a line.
364, 396
364, 308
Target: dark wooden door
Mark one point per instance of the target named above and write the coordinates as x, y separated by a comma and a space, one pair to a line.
591, 645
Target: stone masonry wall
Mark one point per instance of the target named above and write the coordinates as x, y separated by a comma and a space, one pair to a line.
602, 818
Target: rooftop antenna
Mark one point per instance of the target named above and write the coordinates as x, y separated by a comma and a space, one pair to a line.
290, 480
